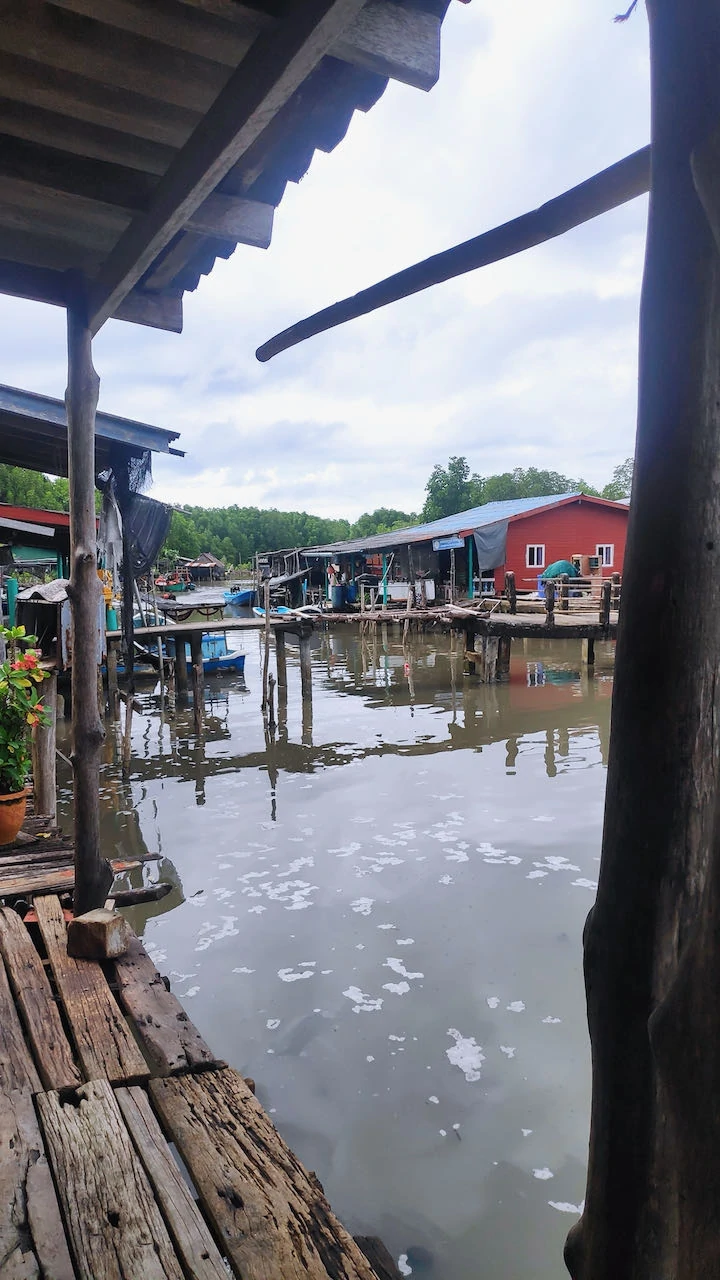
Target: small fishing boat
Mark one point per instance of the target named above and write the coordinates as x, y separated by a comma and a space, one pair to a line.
243, 595
217, 654
281, 611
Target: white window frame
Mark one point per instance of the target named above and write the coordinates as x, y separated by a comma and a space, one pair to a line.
538, 560
606, 562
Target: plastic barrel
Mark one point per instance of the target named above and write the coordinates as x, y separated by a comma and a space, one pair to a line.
351, 592
541, 588
111, 619
12, 591
336, 597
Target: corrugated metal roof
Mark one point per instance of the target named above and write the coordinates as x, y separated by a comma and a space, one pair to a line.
462, 522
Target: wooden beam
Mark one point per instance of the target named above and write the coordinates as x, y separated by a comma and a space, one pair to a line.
81, 137
604, 191
39, 284
194, 29
98, 219
274, 68
394, 40
60, 41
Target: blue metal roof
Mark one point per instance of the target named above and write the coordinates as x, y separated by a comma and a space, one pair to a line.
461, 522
33, 433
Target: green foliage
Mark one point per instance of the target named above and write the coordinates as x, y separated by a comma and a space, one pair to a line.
382, 520
21, 707
234, 534
451, 489
621, 483
23, 488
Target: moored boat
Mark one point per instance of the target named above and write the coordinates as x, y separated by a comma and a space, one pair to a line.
242, 596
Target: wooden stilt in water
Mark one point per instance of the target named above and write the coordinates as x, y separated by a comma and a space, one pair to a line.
305, 666
281, 659
112, 679
588, 652
198, 682
503, 657
181, 671
266, 651
44, 766
93, 876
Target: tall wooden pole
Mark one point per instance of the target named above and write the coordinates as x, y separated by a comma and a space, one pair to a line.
93, 876
653, 1191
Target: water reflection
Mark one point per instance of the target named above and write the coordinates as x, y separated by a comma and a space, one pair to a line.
378, 916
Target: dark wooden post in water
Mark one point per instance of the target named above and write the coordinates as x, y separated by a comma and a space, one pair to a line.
93, 876
281, 660
511, 591
588, 652
198, 682
305, 666
652, 1205
181, 671
503, 658
550, 603
43, 753
112, 679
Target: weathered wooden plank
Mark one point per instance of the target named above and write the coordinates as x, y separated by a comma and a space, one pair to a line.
103, 1042
32, 1240
170, 1041
51, 876
188, 1229
17, 1069
270, 1214
113, 1222
36, 1003
82, 138
266, 79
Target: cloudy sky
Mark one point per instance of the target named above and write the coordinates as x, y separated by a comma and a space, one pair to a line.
531, 362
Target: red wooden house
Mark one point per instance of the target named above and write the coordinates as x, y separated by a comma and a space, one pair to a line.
559, 529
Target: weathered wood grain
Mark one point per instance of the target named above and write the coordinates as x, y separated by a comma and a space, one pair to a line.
103, 1042
32, 1240
40, 878
113, 1222
17, 1070
190, 1233
37, 1006
170, 1041
270, 1214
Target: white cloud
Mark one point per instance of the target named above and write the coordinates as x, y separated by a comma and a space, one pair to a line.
529, 362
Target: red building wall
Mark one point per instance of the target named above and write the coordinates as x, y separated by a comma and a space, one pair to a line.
575, 528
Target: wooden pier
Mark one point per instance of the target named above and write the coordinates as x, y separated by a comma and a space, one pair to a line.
102, 1075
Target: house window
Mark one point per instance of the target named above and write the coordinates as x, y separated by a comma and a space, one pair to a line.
605, 551
535, 556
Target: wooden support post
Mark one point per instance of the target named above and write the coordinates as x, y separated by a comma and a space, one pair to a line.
503, 658
550, 603
281, 659
112, 679
605, 591
564, 594
305, 667
43, 754
271, 704
615, 595
470, 660
588, 652
198, 682
511, 591
652, 1206
266, 653
93, 876
181, 671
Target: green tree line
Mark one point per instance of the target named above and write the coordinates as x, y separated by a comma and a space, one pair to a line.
234, 534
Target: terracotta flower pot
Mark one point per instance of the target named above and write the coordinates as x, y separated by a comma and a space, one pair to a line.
12, 815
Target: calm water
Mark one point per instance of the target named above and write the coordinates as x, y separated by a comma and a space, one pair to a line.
380, 921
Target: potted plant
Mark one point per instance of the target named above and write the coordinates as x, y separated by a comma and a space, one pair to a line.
21, 707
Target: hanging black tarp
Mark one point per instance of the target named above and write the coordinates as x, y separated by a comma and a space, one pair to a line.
491, 545
148, 523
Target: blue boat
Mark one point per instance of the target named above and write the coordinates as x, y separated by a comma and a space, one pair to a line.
244, 596
216, 653
281, 611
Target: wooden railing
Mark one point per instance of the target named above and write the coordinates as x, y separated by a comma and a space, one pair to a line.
573, 595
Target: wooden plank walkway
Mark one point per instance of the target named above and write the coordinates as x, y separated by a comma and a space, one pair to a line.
101, 1075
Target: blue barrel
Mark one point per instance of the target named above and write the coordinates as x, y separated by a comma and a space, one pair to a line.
541, 588
351, 592
336, 597
12, 587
